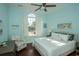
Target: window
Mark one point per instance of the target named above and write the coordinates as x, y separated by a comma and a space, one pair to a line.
31, 25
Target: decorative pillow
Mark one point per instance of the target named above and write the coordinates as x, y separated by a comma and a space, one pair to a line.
64, 37
71, 37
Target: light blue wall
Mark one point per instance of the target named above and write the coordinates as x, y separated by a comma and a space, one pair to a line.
4, 18
67, 13
16, 17
13, 15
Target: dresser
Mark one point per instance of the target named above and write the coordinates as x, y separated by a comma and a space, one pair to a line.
8, 50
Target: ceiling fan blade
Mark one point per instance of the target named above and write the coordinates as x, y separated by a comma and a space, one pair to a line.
43, 4
50, 5
36, 5
38, 8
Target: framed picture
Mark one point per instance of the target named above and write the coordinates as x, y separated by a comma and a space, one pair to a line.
0, 21
45, 25
64, 26
1, 29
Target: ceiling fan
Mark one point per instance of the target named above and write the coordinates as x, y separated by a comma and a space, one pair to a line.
44, 6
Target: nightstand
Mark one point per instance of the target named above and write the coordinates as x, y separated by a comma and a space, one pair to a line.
9, 49
77, 48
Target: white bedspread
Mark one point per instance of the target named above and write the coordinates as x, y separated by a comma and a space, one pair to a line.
50, 47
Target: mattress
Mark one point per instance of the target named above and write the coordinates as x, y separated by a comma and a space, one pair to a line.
50, 47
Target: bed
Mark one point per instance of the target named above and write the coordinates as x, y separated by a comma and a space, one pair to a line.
53, 46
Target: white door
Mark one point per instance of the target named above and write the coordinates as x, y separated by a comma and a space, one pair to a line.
39, 26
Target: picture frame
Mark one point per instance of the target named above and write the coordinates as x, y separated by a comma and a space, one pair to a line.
64, 26
1, 29
45, 25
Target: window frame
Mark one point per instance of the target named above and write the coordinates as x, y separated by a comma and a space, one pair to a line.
30, 16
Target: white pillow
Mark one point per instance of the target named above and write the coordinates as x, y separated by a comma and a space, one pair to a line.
64, 37
56, 36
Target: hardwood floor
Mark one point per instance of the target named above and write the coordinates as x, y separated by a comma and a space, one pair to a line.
31, 51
